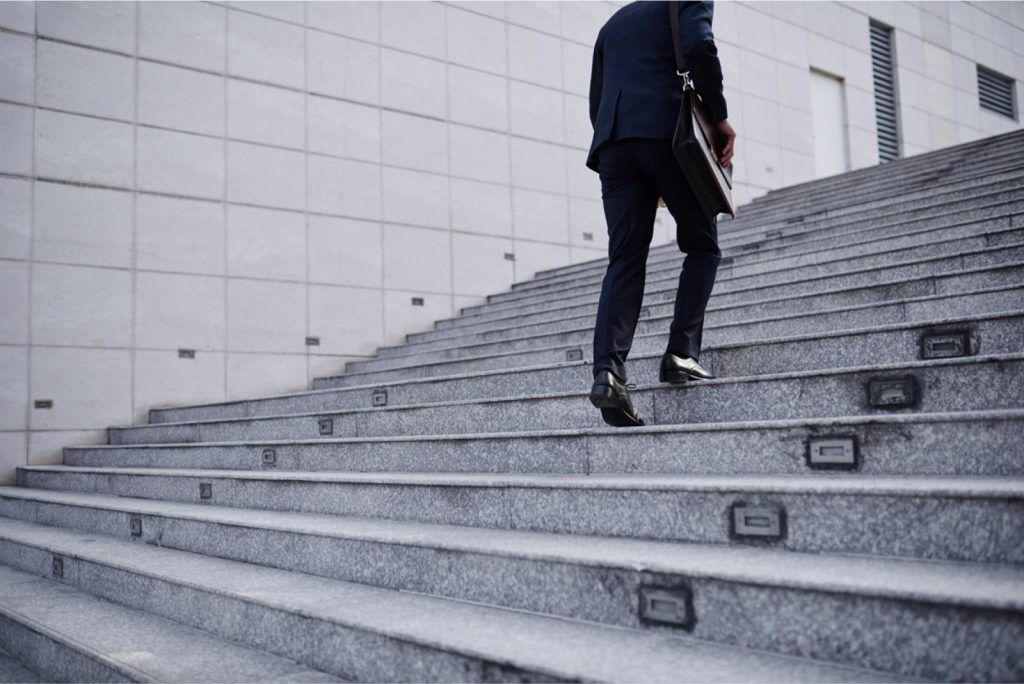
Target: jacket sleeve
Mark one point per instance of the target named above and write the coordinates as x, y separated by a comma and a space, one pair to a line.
596, 77
702, 56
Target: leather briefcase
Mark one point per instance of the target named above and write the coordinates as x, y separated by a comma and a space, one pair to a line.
695, 140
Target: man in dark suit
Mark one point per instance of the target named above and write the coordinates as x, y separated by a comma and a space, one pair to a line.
635, 95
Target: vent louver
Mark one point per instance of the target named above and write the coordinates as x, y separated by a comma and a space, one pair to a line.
884, 71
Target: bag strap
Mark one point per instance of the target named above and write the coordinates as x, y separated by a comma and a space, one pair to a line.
677, 43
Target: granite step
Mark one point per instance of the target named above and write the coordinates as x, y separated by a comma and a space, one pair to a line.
855, 307
56, 628
987, 333
802, 232
793, 280
722, 309
976, 519
790, 280
910, 309
13, 672
597, 579
900, 176
886, 247
379, 634
875, 181
940, 385
881, 444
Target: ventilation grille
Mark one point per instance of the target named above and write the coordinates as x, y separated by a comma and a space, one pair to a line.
995, 92
885, 92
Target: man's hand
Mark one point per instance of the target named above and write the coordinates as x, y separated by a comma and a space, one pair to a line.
726, 138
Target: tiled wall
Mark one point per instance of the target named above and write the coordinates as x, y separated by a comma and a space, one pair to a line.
233, 179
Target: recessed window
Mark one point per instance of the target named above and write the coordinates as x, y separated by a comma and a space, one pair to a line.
995, 92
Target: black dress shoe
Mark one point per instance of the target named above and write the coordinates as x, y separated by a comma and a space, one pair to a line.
611, 395
677, 370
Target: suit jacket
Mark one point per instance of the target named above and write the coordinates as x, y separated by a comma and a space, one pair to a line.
634, 88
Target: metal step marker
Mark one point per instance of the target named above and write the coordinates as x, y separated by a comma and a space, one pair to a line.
325, 426
205, 490
893, 392
836, 452
668, 606
945, 345
380, 397
574, 355
57, 567
269, 458
762, 522
135, 525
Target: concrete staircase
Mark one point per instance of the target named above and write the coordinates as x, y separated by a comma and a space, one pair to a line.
845, 503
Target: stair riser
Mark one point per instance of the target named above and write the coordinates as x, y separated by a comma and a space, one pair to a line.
568, 589
787, 283
53, 660
721, 308
1001, 334
994, 335
903, 448
355, 654
865, 307
972, 387
912, 243
936, 527
844, 319
790, 233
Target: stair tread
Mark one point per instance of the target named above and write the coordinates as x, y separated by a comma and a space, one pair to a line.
955, 486
991, 586
139, 645
975, 360
557, 647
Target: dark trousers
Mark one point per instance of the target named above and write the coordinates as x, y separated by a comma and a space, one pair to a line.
634, 173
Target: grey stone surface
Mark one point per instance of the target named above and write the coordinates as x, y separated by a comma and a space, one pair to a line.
960, 384
13, 672
771, 286
258, 606
951, 518
964, 201
896, 444
989, 334
976, 210
860, 245
68, 635
951, 303
592, 578
485, 525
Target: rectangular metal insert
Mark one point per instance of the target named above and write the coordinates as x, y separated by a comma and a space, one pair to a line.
269, 458
43, 403
574, 355
588, 237
186, 353
773, 234
312, 341
645, 311
205, 490
764, 522
58, 567
417, 301
135, 525
945, 345
893, 392
669, 606
832, 452
509, 256
380, 398
326, 426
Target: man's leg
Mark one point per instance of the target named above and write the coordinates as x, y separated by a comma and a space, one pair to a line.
697, 237
630, 202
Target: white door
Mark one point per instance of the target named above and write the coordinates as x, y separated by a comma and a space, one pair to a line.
828, 116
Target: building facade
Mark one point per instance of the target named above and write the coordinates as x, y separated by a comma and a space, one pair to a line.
204, 201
